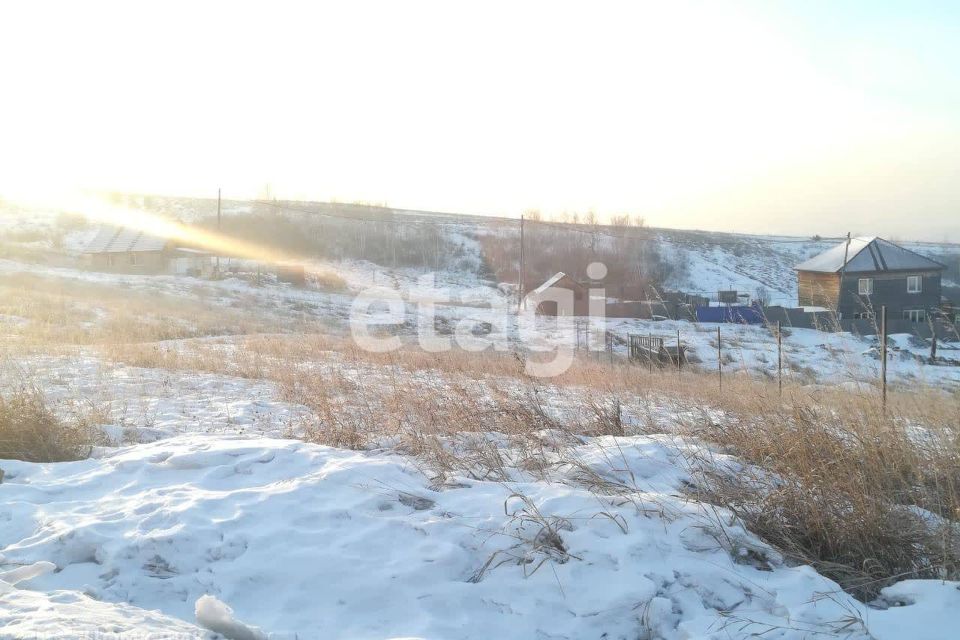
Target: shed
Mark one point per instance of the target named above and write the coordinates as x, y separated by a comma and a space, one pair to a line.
128, 250
537, 298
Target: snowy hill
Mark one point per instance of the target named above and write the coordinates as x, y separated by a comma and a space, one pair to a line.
747, 262
704, 262
708, 261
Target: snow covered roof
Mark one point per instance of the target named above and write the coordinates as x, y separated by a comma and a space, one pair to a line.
552, 280
868, 255
121, 240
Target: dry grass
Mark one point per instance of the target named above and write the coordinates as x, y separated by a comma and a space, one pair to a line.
59, 313
31, 431
328, 281
863, 493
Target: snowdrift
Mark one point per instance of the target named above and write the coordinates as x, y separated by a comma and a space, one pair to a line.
313, 542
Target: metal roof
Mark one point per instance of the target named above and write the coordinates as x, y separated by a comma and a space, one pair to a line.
867, 255
552, 280
122, 240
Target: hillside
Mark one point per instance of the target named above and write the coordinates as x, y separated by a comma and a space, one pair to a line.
699, 262
704, 262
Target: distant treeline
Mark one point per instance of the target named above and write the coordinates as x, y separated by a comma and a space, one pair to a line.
635, 264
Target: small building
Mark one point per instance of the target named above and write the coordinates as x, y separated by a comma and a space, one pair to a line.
560, 280
125, 250
857, 280
185, 261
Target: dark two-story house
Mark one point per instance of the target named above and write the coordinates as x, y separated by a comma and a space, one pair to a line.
858, 277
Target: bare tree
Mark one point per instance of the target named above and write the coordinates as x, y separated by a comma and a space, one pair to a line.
762, 295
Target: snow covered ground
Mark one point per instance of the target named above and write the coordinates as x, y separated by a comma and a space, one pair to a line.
482, 313
143, 404
809, 356
313, 542
305, 541
199, 502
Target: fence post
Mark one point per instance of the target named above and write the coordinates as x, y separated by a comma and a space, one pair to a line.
650, 352
779, 359
883, 353
678, 354
719, 361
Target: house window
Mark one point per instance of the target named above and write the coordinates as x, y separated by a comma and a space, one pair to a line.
914, 284
915, 315
863, 315
865, 286
134, 259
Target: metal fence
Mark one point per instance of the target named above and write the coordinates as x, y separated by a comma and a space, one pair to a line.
656, 352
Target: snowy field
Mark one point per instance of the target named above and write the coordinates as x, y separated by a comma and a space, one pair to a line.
478, 314
203, 513
200, 497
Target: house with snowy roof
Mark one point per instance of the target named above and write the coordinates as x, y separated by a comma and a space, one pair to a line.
859, 276
543, 303
127, 250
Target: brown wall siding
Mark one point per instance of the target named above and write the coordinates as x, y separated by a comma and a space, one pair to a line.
147, 262
581, 302
818, 289
581, 306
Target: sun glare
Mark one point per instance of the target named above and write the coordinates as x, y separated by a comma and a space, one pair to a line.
98, 210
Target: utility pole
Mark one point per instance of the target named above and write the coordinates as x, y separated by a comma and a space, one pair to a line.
521, 274
218, 232
843, 271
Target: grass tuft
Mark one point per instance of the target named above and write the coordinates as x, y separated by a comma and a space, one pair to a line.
30, 431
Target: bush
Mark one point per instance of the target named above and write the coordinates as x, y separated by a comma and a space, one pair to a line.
329, 281
30, 431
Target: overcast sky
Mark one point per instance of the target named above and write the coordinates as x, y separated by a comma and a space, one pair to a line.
802, 117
